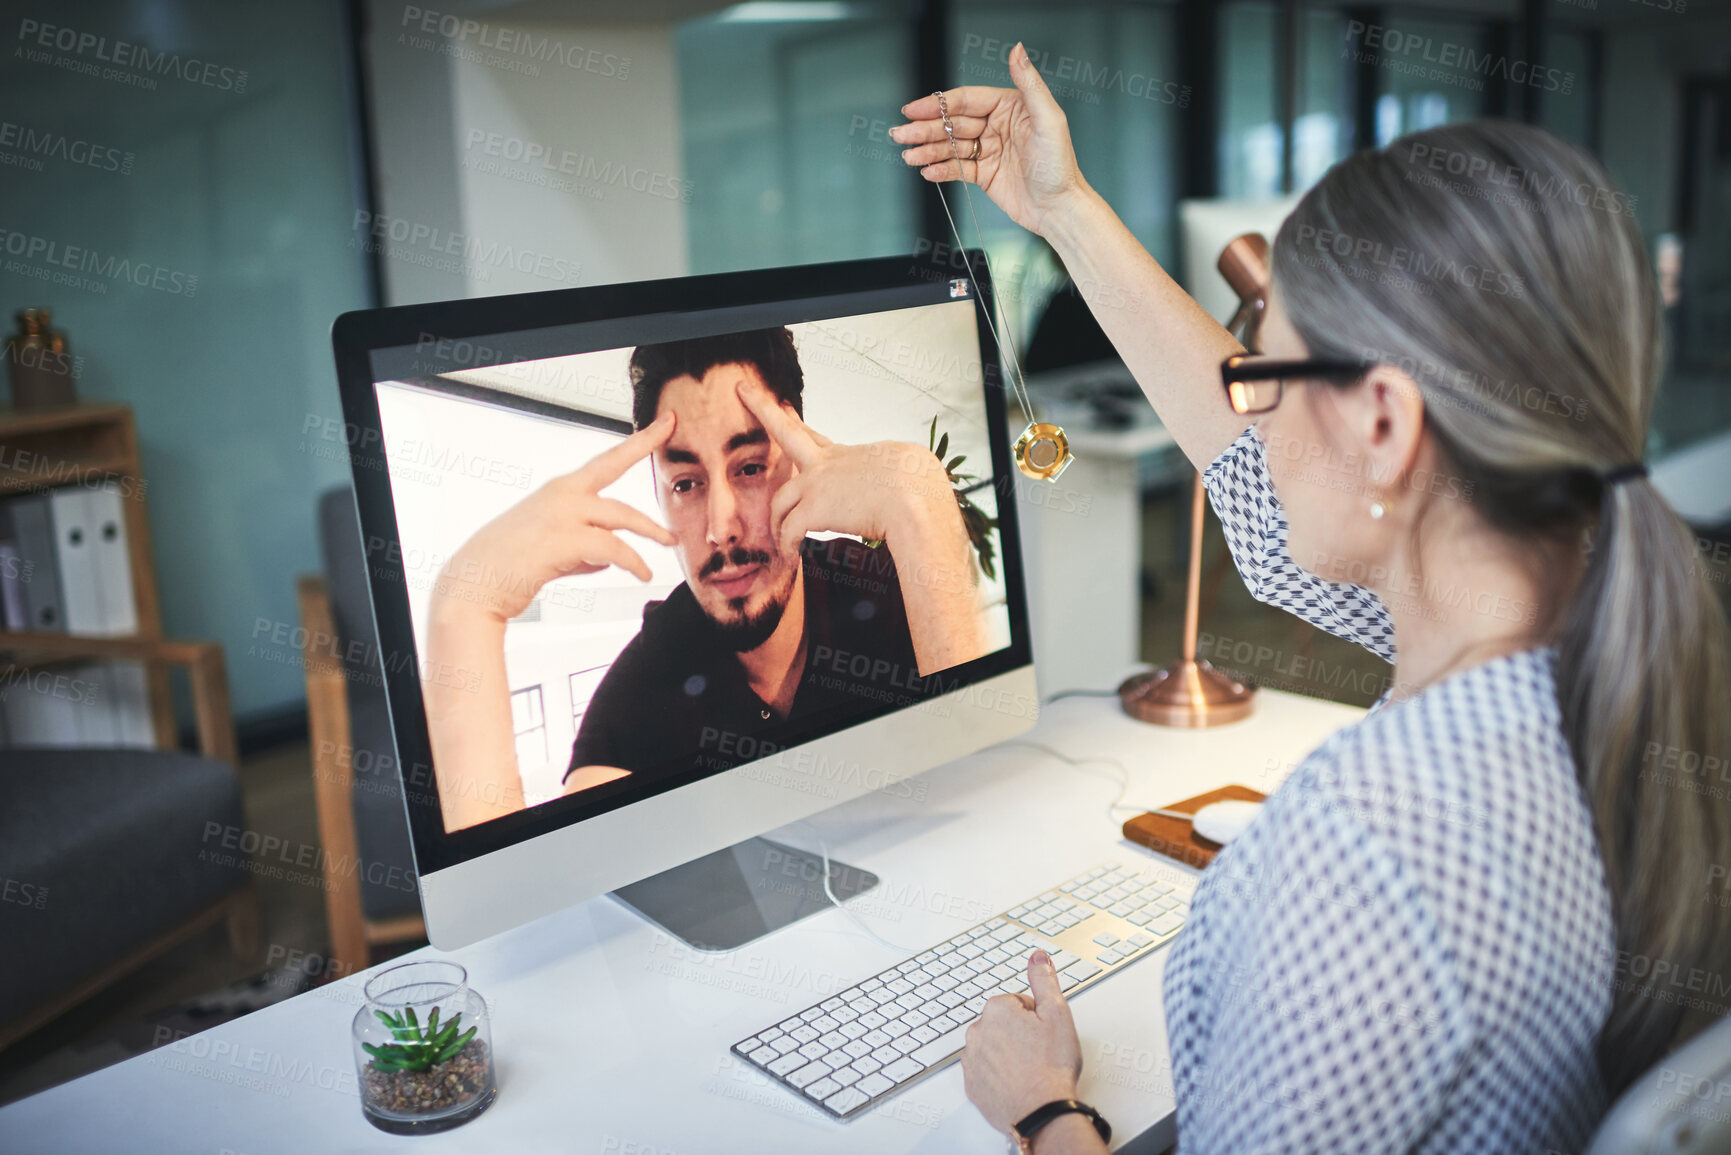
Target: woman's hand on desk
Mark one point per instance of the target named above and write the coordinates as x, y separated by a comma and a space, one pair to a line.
1023, 1052
1026, 163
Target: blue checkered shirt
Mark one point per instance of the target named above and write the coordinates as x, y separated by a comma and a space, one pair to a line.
1411, 948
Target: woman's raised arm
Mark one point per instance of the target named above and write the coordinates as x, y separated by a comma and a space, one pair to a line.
1027, 166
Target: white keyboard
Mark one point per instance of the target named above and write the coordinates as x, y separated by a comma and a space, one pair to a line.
890, 1031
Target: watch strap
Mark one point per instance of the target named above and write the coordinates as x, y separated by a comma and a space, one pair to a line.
1040, 1116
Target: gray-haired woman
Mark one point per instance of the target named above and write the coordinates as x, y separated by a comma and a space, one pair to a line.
1450, 929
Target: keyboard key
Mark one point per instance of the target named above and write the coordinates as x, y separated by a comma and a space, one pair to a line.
823, 1088
1165, 924
1166, 903
1121, 909
784, 1044
786, 1064
951, 999
876, 1039
804, 1033
764, 1056
806, 1016
1082, 970
852, 1030
789, 1024
832, 1003
1105, 939
872, 1021
1063, 959
919, 976
887, 1055
873, 1085
943, 1023
844, 1014
1066, 980
924, 1034
1108, 957
1051, 926
1141, 918
808, 1074
846, 1077
907, 1043
1069, 919
846, 1100
916, 1019
866, 1065
902, 1069
861, 1005
900, 986
814, 1050
857, 1049
1141, 940
896, 1029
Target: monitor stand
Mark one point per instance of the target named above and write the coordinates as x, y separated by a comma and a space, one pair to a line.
724, 900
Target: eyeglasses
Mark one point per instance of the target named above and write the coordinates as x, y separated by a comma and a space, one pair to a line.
1256, 384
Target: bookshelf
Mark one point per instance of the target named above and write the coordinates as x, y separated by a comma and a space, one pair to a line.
90, 444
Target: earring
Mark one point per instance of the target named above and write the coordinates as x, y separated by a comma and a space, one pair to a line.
1377, 509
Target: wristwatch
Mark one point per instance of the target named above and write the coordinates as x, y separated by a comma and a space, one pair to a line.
1022, 1134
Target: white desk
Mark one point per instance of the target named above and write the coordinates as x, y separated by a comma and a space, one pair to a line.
613, 1038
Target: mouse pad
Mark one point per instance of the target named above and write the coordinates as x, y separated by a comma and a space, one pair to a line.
1174, 837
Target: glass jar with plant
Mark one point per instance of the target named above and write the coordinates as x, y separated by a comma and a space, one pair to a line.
423, 1049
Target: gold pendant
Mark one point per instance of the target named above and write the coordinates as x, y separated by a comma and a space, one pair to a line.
1043, 452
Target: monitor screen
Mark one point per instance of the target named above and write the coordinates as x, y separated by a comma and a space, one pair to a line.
627, 565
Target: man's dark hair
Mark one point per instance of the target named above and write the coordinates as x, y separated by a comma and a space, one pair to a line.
769, 351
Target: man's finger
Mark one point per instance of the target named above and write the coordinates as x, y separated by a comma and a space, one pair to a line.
968, 100
598, 545
788, 430
610, 514
1043, 984
607, 467
790, 494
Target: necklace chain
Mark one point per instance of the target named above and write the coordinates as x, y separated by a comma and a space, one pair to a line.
1018, 386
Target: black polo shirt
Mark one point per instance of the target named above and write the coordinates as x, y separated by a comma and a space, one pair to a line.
677, 700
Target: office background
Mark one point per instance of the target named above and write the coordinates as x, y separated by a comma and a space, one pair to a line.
329, 156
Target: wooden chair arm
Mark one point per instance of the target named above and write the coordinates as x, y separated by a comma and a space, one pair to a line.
203, 662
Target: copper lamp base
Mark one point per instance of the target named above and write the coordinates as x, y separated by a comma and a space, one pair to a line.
1186, 693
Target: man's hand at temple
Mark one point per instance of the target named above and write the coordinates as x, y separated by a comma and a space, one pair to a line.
893, 491
563, 528
566, 527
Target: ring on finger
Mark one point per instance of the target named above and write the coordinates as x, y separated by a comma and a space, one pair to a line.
975, 155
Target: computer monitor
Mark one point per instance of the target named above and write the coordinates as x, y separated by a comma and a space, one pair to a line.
834, 599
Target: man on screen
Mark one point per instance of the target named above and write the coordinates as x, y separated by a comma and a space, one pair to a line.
768, 625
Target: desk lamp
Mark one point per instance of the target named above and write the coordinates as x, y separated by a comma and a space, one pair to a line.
1190, 692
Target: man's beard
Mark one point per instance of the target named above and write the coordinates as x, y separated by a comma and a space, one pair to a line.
748, 631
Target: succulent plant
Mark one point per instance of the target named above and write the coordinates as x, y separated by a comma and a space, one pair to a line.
417, 1047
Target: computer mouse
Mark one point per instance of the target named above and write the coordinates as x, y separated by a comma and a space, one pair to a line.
1223, 821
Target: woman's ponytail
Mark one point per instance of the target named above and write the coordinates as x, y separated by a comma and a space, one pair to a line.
1646, 703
